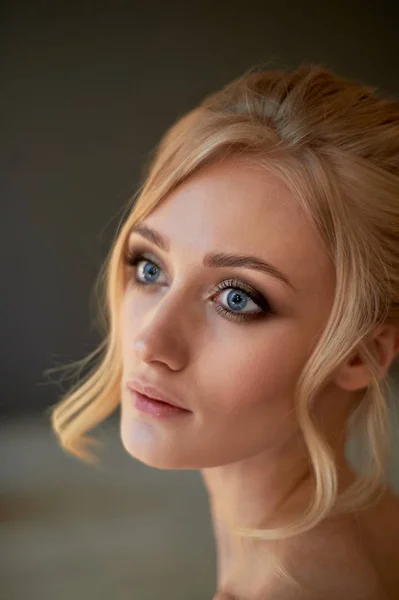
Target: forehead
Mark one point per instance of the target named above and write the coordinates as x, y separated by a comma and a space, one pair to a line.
237, 207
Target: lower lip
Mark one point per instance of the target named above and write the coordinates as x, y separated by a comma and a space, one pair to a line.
155, 408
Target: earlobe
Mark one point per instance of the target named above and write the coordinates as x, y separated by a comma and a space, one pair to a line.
354, 375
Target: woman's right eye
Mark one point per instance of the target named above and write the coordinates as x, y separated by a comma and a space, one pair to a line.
149, 269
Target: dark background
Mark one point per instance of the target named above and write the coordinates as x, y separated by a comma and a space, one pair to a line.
87, 90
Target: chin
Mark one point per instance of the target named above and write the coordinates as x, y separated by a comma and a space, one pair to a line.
144, 444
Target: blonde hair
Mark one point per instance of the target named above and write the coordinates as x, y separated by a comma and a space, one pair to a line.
335, 143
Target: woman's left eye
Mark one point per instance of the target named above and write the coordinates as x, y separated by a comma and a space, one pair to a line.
237, 295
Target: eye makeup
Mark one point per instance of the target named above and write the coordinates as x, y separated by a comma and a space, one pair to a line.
136, 261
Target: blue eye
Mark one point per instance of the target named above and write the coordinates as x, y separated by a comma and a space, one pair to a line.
238, 296
150, 272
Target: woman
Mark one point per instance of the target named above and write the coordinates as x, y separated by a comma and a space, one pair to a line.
252, 300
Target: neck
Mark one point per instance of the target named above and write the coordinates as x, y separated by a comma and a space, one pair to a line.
263, 491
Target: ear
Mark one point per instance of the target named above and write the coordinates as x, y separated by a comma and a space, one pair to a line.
353, 374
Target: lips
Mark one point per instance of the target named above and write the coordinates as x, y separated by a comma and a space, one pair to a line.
154, 393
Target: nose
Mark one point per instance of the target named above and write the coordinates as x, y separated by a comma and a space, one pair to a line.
166, 335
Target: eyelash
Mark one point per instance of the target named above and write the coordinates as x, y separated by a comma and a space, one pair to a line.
133, 257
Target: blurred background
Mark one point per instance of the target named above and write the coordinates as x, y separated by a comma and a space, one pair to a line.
88, 88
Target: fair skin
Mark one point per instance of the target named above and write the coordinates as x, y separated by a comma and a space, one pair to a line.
237, 378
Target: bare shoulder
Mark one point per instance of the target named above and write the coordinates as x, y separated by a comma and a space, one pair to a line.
379, 530
351, 558
328, 568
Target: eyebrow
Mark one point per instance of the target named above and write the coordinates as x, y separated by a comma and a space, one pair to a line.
216, 259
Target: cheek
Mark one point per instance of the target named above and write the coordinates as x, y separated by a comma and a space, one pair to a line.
256, 376
126, 339
129, 323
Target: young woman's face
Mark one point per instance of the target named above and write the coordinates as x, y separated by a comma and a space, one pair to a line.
232, 361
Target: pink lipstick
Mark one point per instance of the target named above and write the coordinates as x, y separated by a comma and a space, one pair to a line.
155, 408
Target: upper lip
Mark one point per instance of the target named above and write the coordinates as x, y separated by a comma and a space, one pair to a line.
155, 392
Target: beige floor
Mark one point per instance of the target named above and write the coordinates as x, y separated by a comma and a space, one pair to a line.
124, 532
